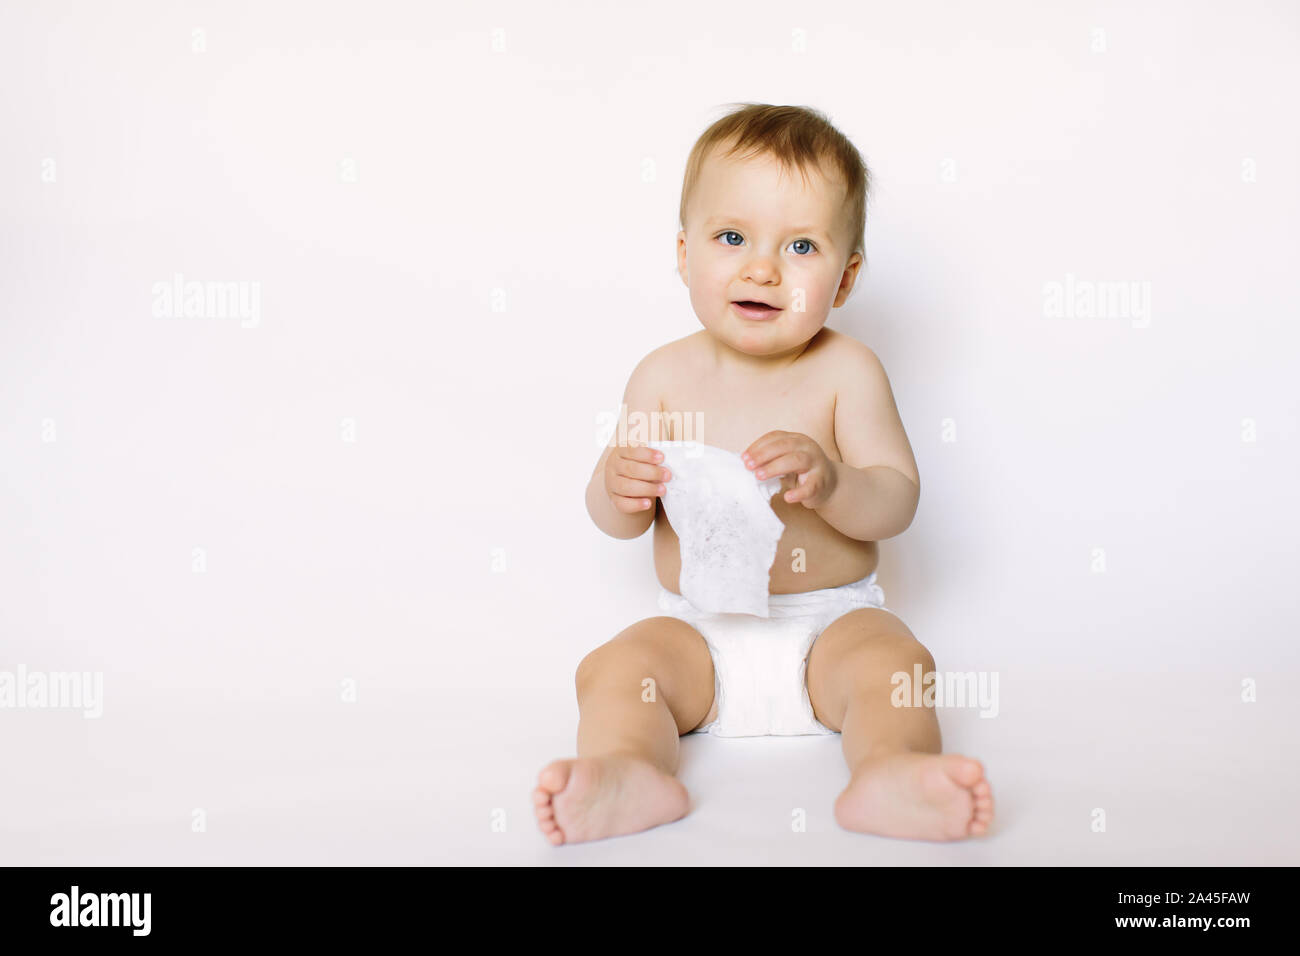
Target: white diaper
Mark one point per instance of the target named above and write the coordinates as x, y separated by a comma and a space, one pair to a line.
760, 663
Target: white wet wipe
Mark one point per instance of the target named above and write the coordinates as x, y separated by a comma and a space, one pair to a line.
724, 520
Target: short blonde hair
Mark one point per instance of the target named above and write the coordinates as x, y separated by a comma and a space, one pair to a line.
799, 137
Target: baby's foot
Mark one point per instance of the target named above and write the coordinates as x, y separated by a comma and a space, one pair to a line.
590, 798
917, 796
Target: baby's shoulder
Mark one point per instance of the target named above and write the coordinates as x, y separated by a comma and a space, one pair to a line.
655, 374
841, 355
673, 360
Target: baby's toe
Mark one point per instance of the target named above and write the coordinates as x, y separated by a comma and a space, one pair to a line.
554, 776
964, 770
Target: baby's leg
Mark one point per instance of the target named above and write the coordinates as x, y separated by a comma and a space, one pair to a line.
900, 784
636, 695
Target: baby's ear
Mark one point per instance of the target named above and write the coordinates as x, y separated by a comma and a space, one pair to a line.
681, 258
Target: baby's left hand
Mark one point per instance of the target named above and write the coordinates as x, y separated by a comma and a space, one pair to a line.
792, 453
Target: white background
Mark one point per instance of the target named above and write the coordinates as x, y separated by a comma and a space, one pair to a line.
480, 293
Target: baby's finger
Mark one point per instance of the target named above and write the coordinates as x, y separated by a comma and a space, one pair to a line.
639, 469
765, 449
630, 505
787, 464
641, 453
799, 493
635, 488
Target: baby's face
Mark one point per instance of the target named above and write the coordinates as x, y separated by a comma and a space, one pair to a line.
753, 233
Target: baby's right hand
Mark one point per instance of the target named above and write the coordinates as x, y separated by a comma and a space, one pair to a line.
633, 477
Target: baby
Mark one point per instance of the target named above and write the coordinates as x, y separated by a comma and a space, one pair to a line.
766, 254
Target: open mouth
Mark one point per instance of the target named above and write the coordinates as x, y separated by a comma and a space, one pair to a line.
755, 310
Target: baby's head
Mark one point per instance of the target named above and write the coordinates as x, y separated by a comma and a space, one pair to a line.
751, 230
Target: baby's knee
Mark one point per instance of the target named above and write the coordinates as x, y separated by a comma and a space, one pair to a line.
889, 653
643, 650
916, 653
590, 668
612, 661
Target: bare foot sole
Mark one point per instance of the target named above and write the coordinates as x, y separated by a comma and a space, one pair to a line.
590, 798
917, 796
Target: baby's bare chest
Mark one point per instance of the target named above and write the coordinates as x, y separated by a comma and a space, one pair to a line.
734, 417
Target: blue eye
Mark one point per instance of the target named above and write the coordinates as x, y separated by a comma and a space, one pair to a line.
731, 232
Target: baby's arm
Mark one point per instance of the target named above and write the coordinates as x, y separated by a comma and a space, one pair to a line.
877, 486
641, 395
